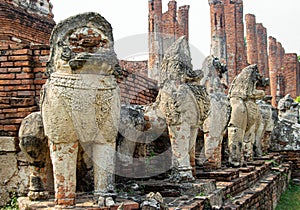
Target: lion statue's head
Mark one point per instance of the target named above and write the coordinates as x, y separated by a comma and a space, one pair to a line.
244, 84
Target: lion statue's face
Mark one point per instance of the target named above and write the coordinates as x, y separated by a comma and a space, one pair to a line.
82, 45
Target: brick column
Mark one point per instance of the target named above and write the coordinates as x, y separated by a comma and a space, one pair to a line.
234, 27
262, 51
154, 38
251, 39
273, 68
218, 34
183, 21
290, 63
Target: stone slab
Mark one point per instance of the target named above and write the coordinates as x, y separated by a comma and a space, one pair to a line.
7, 144
83, 202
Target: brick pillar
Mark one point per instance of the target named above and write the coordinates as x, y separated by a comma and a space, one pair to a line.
218, 34
273, 68
240, 37
280, 73
290, 63
251, 39
262, 51
155, 38
183, 21
234, 27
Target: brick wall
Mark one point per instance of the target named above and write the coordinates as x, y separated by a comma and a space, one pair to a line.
21, 78
17, 25
136, 87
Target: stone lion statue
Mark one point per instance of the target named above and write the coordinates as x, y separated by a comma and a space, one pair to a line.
80, 103
244, 115
182, 103
215, 125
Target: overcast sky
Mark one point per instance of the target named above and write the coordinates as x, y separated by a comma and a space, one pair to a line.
129, 20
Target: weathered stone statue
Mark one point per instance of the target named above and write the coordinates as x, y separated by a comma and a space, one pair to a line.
216, 123
244, 116
80, 103
286, 133
288, 109
34, 144
266, 126
183, 103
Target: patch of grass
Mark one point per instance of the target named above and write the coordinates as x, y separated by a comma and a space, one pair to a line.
12, 204
290, 199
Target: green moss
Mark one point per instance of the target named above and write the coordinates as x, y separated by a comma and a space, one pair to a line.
12, 204
290, 199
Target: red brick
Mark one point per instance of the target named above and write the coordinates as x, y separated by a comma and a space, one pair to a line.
14, 70
3, 58
7, 76
19, 58
25, 76
26, 93
22, 52
22, 63
36, 70
26, 69
3, 70
30, 109
9, 110
45, 52
27, 82
6, 64
11, 127
21, 102
39, 82
10, 82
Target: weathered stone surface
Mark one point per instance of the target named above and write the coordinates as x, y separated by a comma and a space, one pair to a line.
215, 125
265, 128
244, 116
81, 102
286, 133
288, 109
34, 145
183, 103
8, 169
7, 144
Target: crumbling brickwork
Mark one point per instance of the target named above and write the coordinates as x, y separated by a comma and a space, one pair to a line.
291, 74
234, 25
218, 33
251, 39
17, 25
136, 87
256, 39
164, 29
262, 52
21, 78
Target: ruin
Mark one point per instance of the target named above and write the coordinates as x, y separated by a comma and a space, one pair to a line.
24, 53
